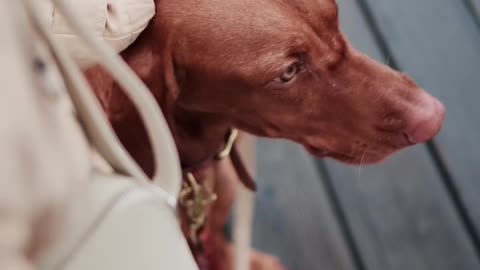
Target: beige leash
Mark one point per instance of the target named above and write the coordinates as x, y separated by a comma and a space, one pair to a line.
243, 211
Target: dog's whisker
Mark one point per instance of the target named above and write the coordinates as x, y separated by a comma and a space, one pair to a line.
359, 170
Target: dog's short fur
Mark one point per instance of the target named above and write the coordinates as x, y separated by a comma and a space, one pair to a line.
274, 68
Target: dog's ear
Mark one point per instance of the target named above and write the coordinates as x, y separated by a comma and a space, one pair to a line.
171, 75
164, 77
151, 58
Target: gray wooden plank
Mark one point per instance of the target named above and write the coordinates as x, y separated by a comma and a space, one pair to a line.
438, 43
293, 217
400, 213
400, 216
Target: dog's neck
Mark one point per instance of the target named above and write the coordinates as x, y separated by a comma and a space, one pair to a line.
198, 135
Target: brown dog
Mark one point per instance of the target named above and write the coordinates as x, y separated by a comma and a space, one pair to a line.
274, 68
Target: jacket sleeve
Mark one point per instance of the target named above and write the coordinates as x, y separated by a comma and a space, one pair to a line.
118, 22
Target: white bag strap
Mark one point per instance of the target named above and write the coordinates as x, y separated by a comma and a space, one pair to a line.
91, 114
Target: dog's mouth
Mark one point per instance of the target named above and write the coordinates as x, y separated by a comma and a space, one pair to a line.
316, 151
360, 156
375, 146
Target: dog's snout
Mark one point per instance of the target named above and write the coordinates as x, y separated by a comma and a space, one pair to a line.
425, 119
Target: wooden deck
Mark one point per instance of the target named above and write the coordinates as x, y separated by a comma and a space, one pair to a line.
421, 209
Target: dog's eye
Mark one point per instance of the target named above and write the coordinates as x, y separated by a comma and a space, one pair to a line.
289, 73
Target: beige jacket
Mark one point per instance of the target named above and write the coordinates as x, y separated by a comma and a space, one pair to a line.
45, 158
118, 22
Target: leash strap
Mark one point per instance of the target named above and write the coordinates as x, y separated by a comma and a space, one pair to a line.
242, 172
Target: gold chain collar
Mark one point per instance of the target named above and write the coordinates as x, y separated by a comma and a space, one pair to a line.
196, 197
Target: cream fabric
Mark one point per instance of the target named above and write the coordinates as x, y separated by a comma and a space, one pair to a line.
44, 156
118, 22
126, 226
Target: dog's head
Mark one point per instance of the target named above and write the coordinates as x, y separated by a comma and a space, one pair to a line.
282, 68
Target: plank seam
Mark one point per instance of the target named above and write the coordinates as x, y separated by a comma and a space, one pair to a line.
445, 175
474, 12
340, 215
455, 195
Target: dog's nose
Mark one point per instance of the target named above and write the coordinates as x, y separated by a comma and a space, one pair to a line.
426, 120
